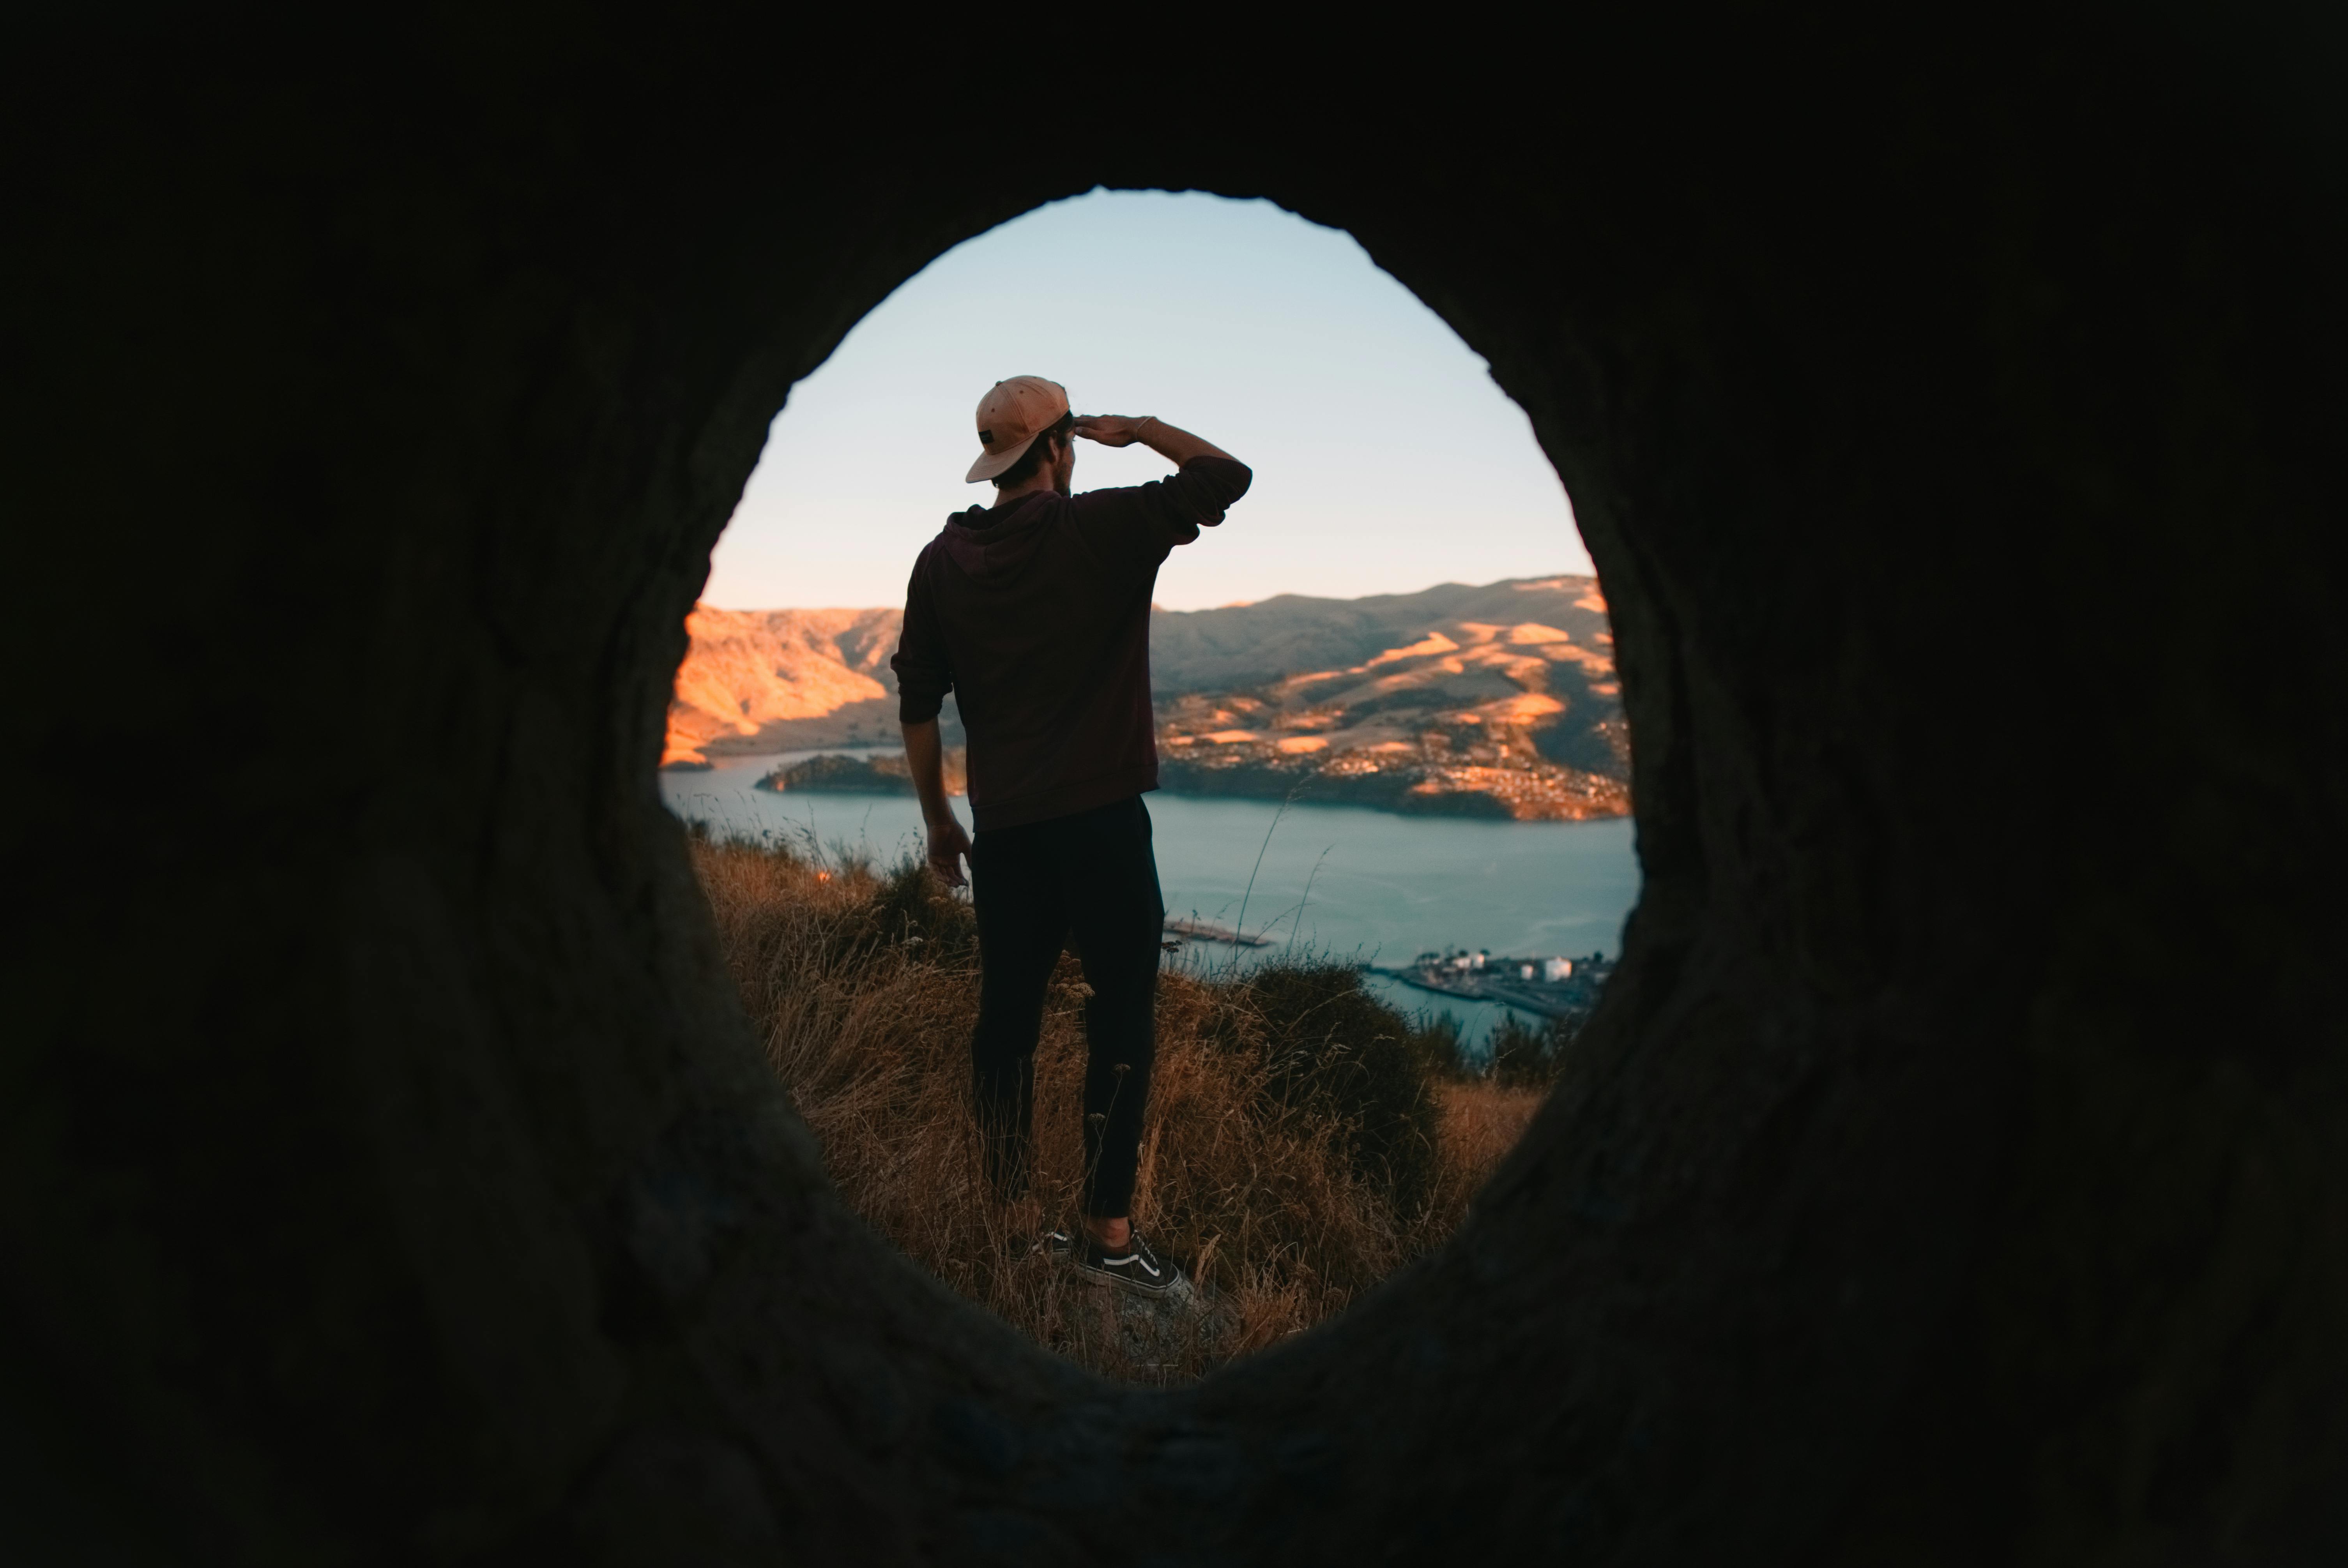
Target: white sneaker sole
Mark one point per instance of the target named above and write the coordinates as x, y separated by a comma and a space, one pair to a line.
1128, 1282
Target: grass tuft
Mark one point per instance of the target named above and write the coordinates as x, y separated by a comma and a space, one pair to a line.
1303, 1140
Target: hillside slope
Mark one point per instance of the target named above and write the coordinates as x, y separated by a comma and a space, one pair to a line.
767, 680
1246, 645
1495, 700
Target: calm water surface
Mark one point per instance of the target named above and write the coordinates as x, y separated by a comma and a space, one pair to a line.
1343, 881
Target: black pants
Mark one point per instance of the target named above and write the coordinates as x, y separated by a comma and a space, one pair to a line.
1089, 881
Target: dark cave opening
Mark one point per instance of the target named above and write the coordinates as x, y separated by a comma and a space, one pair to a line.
393, 1174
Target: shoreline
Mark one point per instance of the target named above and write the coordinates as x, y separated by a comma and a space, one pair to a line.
1398, 792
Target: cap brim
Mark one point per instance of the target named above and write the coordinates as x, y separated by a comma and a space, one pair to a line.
989, 464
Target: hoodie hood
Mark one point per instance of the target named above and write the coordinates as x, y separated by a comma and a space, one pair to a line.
994, 547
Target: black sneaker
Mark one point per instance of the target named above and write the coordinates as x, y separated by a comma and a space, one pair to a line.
1132, 1266
1055, 1245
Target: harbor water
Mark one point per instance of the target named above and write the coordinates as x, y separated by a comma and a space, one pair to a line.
1342, 882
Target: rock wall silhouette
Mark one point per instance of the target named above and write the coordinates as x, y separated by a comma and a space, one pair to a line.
1957, 1169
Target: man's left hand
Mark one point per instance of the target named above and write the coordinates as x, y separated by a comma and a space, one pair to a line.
948, 844
1109, 429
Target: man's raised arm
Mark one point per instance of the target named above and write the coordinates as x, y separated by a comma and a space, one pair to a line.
1178, 447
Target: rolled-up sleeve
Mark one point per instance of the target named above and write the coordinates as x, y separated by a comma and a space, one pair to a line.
924, 674
1145, 522
1203, 490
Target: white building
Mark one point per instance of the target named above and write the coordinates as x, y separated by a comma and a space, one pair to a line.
1554, 969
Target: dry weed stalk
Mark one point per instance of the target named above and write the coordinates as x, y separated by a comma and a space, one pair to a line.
1256, 1173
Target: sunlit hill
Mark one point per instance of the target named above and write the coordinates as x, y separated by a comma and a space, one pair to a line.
1494, 701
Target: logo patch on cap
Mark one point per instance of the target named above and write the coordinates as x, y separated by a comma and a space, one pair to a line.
986, 437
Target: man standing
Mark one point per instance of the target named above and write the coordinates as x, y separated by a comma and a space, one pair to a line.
1035, 613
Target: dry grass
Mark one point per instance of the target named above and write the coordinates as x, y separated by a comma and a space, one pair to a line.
1482, 1122
1299, 1146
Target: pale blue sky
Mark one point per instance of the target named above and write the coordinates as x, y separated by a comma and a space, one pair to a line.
1386, 459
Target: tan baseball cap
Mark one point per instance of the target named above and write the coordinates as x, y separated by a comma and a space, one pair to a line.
1009, 416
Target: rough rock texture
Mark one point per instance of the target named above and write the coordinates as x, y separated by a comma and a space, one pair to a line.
1959, 1173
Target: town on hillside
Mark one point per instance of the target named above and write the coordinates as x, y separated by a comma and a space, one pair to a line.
1558, 988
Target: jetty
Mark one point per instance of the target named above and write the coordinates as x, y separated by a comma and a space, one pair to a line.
1205, 931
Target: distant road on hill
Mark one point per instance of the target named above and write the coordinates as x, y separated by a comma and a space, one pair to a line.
1498, 700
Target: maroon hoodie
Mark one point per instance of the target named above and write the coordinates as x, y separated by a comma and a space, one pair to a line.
1036, 616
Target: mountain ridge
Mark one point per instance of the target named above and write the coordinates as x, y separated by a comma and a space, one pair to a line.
1498, 699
